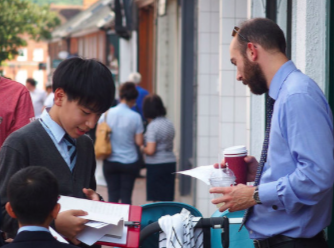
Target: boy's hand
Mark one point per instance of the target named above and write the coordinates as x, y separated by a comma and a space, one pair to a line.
91, 194
252, 167
68, 224
9, 240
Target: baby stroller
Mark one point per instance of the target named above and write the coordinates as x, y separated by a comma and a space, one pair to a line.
237, 238
149, 234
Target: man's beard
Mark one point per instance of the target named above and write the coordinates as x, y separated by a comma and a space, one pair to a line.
254, 77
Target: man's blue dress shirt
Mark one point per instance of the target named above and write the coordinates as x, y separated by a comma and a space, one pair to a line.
296, 184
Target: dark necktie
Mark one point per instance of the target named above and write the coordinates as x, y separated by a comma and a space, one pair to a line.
72, 151
263, 159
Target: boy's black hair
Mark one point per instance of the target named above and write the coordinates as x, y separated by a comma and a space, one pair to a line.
33, 194
153, 107
86, 80
128, 91
31, 81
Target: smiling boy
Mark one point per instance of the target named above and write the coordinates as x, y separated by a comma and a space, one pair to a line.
83, 90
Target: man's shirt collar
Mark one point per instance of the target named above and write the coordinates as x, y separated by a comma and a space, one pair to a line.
279, 78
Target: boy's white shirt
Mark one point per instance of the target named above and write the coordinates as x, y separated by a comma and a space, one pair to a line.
56, 133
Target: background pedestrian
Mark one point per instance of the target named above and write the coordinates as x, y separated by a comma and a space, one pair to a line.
160, 159
121, 167
38, 96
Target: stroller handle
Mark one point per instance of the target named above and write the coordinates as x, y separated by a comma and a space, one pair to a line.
213, 222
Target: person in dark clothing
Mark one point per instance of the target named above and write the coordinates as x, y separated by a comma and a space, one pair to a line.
83, 90
32, 200
160, 159
121, 167
135, 78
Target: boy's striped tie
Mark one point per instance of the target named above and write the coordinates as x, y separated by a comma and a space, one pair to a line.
71, 149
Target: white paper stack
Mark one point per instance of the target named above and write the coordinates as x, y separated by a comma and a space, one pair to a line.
106, 220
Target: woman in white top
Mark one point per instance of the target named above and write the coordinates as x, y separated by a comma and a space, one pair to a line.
160, 159
121, 167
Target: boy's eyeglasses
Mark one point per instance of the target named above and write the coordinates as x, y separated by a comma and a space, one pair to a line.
236, 31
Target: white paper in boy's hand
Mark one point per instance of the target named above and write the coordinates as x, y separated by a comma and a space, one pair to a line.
57, 235
202, 173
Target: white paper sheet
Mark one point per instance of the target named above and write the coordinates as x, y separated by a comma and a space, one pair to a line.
201, 172
57, 235
105, 219
98, 211
111, 239
90, 235
96, 224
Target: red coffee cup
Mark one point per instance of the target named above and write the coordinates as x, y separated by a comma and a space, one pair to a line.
235, 159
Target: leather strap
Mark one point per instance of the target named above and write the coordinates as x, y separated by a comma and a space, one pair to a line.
278, 239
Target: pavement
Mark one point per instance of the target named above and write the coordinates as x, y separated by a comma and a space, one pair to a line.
139, 191
138, 194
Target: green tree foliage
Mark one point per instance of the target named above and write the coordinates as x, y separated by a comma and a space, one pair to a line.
19, 17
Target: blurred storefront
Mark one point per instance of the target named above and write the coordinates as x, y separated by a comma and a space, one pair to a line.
86, 35
181, 49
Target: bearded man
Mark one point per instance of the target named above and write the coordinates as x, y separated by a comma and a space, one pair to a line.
291, 202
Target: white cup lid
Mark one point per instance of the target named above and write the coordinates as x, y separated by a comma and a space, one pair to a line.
235, 150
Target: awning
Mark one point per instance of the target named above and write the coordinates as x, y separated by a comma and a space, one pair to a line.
96, 17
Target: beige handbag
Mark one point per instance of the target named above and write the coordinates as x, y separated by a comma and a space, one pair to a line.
102, 142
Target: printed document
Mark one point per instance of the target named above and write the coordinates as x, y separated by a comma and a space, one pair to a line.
106, 219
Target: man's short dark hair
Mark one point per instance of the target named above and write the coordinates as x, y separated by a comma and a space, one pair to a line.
31, 81
153, 107
264, 32
86, 80
33, 194
128, 91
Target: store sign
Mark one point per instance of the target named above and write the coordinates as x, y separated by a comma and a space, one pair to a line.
162, 7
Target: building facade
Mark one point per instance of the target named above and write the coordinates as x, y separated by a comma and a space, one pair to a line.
213, 110
30, 63
181, 48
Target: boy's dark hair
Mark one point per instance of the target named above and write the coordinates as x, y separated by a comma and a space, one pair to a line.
33, 194
31, 81
153, 107
264, 32
86, 80
128, 91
